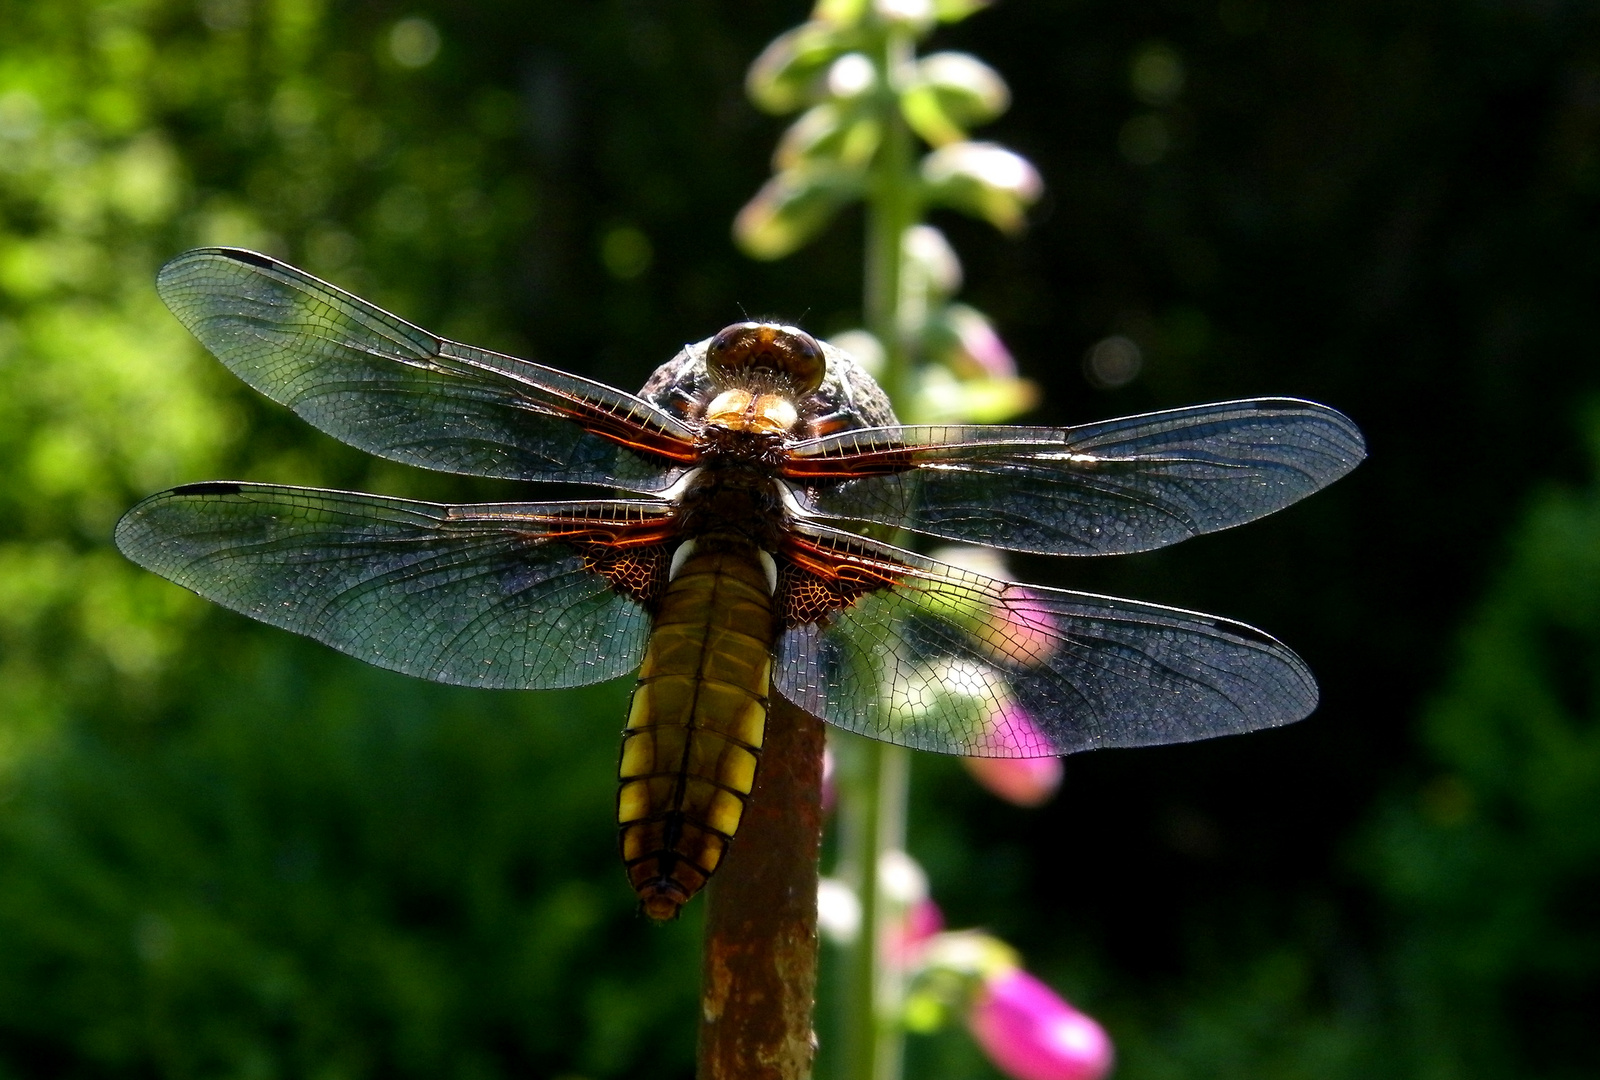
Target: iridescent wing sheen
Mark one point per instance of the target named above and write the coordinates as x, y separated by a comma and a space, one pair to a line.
393, 389
494, 595
957, 663
1126, 485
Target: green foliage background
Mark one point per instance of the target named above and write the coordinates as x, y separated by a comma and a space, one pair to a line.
224, 852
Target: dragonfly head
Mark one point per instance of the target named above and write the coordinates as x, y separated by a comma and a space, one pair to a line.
787, 352
770, 378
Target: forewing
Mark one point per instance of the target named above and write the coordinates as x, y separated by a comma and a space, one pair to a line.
381, 384
957, 663
1120, 486
495, 596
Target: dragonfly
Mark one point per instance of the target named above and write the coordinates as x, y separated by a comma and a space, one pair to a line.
743, 545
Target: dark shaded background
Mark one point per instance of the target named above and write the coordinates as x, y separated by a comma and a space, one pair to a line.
227, 852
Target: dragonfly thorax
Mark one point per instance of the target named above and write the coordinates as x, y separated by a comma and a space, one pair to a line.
737, 501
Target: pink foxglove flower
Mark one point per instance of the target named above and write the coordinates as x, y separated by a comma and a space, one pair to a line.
1019, 781
1030, 1033
904, 942
979, 345
983, 180
1027, 781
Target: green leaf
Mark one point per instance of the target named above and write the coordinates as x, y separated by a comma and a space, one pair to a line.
830, 134
841, 12
791, 70
949, 11
792, 207
952, 92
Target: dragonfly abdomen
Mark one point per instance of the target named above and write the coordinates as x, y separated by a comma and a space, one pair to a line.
696, 722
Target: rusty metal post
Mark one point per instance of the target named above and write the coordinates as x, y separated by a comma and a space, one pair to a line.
759, 975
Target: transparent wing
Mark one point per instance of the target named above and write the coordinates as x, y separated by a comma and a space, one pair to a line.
493, 596
1114, 487
393, 389
957, 663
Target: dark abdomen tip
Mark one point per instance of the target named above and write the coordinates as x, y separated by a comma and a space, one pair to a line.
662, 900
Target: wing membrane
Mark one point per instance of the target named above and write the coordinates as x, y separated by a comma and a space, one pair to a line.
958, 663
381, 384
1115, 487
486, 595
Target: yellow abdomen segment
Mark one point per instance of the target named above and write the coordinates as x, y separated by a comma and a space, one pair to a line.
695, 724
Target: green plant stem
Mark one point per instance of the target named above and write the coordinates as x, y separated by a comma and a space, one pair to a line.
874, 795
874, 784
857, 766
894, 789
892, 206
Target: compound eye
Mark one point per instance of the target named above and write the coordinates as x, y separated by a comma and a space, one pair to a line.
784, 350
